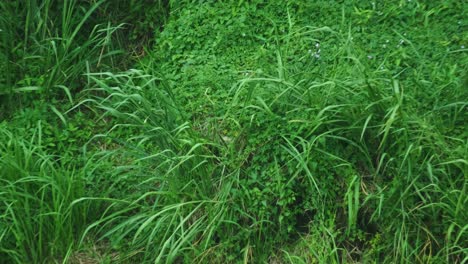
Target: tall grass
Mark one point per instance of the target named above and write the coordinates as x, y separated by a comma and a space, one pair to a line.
38, 222
174, 198
48, 45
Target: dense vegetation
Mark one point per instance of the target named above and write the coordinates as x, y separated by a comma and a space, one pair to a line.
233, 131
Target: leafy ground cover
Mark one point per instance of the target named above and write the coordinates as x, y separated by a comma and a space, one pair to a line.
244, 132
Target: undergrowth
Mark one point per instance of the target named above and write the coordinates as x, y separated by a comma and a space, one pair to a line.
251, 132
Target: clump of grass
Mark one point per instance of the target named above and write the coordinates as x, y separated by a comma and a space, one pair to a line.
169, 169
47, 46
38, 221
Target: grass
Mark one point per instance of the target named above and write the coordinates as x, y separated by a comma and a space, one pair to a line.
38, 217
250, 132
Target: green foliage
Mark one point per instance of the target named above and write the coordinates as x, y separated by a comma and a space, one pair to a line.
322, 117
39, 220
142, 19
47, 46
62, 134
252, 132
